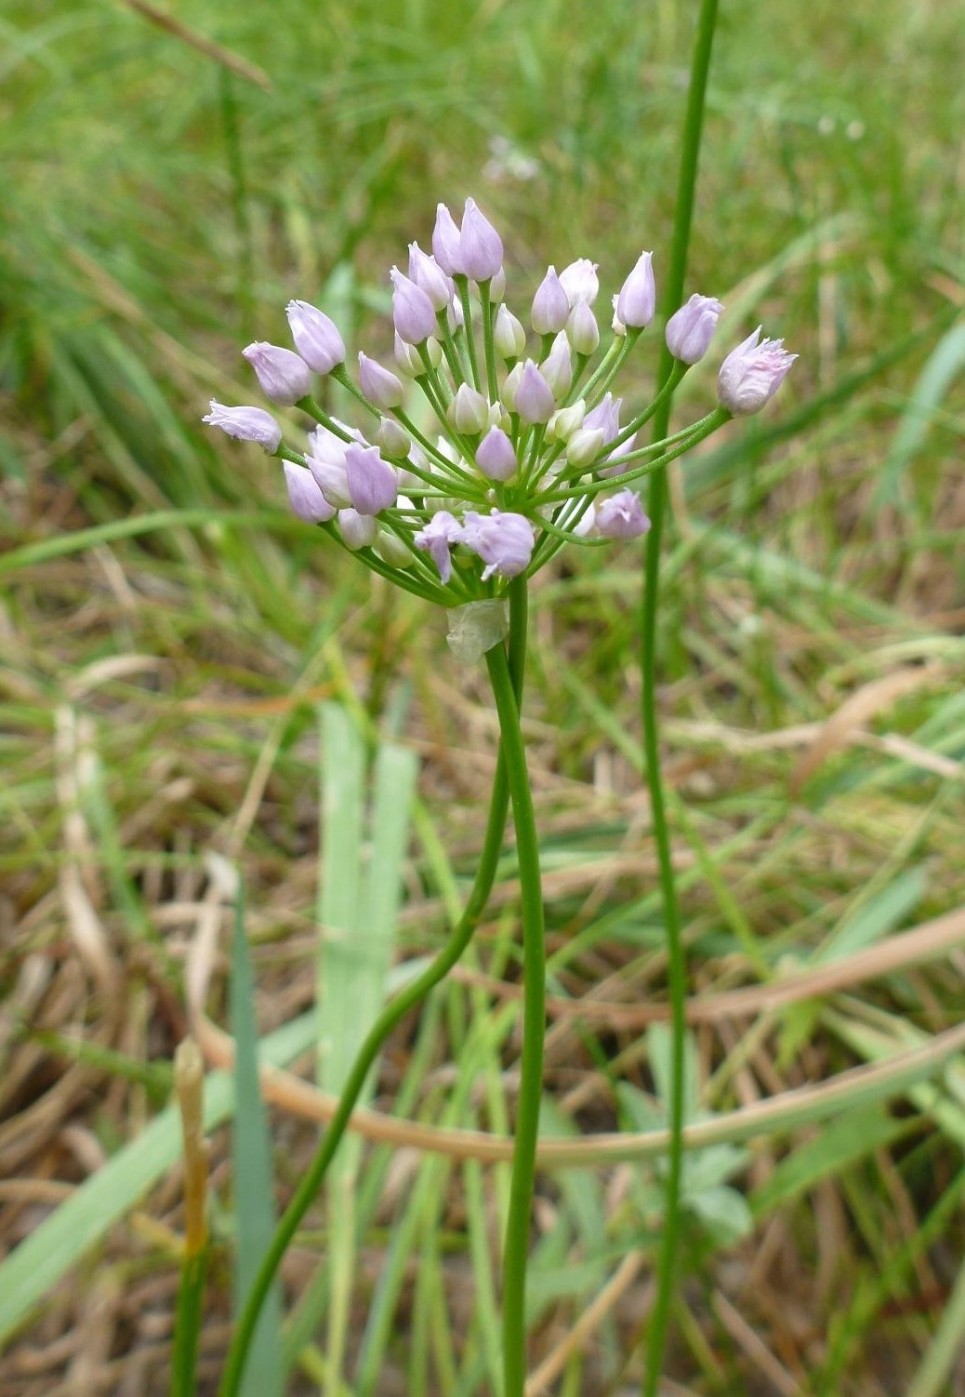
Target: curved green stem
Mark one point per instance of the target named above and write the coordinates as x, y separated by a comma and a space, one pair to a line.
513, 662
656, 508
534, 1031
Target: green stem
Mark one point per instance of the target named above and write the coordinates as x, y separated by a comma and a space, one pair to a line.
513, 661
656, 507
534, 1031
187, 1325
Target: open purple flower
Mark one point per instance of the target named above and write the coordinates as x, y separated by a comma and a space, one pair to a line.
504, 541
246, 424
752, 373
436, 539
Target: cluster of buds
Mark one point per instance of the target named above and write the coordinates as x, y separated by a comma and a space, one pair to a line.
525, 449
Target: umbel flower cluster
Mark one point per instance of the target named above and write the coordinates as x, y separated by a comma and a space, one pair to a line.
516, 445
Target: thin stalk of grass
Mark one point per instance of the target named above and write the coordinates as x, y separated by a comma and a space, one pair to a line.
656, 1335
534, 1027
189, 1079
514, 658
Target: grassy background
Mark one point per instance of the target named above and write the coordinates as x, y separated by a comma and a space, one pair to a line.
165, 194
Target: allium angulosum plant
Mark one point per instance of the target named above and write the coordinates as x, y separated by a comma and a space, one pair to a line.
526, 452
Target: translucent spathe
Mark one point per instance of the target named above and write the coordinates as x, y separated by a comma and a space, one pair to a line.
476, 628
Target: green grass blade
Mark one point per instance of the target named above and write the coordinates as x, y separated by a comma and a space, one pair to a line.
253, 1175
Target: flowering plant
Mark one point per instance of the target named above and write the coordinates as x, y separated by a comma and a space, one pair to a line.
525, 452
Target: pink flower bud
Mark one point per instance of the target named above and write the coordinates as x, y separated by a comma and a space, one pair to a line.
316, 337
469, 411
304, 496
504, 541
751, 374
246, 424
326, 461
620, 516
412, 312
438, 536
691, 328
606, 414
497, 287
495, 456
509, 337
551, 305
379, 385
534, 396
372, 483
426, 272
638, 297
447, 243
557, 367
480, 245
584, 446
583, 331
284, 376
358, 530
580, 281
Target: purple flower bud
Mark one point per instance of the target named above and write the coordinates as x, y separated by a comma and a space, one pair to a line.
495, 456
582, 329
497, 287
412, 312
580, 281
481, 247
372, 483
638, 296
426, 272
316, 337
691, 328
584, 446
379, 385
392, 439
284, 376
620, 516
358, 530
534, 396
504, 541
551, 305
442, 530
617, 465
469, 411
557, 367
509, 337
751, 374
447, 242
246, 424
326, 461
304, 496
606, 414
